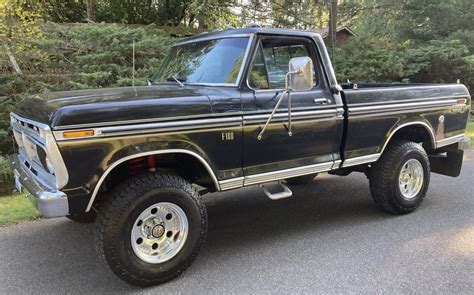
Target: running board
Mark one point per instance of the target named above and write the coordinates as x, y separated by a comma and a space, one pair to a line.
286, 193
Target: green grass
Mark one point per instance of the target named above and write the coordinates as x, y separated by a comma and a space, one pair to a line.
16, 208
470, 131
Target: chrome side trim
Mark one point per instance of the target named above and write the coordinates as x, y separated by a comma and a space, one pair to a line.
286, 173
450, 140
201, 124
159, 127
124, 159
427, 99
231, 183
397, 112
316, 114
425, 125
184, 118
400, 106
360, 160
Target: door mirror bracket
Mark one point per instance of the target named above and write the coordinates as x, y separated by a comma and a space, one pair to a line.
298, 78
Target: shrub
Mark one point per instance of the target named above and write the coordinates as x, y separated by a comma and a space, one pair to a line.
6, 177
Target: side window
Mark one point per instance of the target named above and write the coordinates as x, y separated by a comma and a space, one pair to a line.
258, 78
276, 54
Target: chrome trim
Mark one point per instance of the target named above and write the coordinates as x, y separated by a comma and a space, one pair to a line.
363, 104
124, 159
231, 183
360, 160
207, 38
397, 111
46, 139
400, 106
428, 127
182, 118
450, 140
202, 124
157, 127
286, 173
49, 202
260, 178
316, 114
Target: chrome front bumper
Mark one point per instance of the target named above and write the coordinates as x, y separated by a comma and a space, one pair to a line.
50, 203
465, 143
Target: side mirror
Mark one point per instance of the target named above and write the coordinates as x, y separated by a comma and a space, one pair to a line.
300, 74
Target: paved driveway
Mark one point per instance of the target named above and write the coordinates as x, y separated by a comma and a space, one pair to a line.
328, 238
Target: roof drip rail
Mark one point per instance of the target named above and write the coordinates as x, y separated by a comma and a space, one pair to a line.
252, 25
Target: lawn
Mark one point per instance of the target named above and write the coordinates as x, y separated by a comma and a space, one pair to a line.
470, 132
16, 208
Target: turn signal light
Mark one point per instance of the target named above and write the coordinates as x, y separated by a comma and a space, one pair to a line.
77, 134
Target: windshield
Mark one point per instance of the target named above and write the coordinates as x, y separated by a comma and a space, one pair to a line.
211, 61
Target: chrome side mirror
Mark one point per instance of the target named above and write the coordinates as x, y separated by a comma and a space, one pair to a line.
300, 78
300, 74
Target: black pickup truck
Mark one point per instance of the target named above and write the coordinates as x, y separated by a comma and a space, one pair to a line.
227, 109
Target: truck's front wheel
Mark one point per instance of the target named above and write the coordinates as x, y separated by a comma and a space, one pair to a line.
400, 178
151, 228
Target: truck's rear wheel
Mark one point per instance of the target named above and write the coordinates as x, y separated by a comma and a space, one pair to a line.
151, 228
400, 178
301, 180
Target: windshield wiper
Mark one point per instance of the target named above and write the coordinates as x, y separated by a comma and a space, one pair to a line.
178, 80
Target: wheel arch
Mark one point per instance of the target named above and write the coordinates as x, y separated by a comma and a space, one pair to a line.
418, 131
114, 165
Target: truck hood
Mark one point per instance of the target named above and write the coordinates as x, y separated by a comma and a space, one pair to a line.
106, 106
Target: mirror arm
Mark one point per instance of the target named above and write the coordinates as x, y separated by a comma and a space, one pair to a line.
260, 134
287, 90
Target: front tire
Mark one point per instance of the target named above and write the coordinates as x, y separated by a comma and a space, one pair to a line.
400, 178
151, 228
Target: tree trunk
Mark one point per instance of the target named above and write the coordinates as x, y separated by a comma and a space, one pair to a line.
332, 25
91, 11
13, 60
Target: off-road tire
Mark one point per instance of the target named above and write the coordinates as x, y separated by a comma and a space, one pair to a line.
301, 180
385, 173
86, 217
117, 216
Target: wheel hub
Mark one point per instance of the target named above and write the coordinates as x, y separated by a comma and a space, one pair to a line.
159, 232
411, 179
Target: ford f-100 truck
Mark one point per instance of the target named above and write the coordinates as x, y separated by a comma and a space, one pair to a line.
226, 110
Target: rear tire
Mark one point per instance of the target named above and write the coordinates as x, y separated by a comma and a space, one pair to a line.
301, 180
151, 228
400, 178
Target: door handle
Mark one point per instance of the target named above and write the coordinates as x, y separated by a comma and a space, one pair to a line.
321, 101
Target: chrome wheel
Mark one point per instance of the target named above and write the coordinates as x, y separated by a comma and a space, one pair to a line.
411, 179
159, 233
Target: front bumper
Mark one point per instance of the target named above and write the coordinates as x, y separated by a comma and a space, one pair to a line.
50, 203
465, 143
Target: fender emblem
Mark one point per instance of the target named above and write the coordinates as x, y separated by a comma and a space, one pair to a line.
227, 136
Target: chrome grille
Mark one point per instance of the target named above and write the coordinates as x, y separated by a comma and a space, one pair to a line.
35, 142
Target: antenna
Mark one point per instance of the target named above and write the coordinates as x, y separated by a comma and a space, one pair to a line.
133, 63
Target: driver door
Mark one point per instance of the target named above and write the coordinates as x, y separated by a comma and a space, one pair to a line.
316, 125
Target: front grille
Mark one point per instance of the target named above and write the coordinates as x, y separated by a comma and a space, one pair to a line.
31, 138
